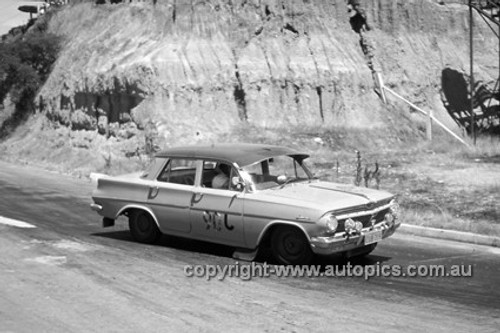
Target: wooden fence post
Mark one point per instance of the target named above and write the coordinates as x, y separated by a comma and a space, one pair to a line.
379, 83
429, 125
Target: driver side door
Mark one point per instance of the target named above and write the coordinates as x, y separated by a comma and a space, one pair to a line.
217, 213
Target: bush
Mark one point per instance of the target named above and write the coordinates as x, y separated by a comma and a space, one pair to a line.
26, 64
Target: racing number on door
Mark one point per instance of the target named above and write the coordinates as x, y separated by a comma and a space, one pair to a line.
216, 220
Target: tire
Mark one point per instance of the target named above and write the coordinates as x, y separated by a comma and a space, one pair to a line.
289, 246
143, 228
360, 252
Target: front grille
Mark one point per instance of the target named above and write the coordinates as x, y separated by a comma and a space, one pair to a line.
371, 206
365, 219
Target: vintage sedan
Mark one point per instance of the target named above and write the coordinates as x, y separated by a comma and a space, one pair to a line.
247, 196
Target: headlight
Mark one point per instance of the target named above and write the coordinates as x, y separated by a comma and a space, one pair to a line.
329, 221
394, 208
352, 226
359, 226
349, 225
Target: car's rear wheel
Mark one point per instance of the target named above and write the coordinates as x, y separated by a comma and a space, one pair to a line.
142, 227
289, 246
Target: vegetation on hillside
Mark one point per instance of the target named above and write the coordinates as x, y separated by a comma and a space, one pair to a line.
26, 63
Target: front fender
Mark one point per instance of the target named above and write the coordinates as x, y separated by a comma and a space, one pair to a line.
274, 223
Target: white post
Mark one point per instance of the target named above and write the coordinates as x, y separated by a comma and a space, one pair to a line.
380, 85
429, 125
427, 113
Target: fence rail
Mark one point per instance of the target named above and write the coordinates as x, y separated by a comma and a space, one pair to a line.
429, 114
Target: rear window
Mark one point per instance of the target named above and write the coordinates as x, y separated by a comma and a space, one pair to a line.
179, 171
152, 166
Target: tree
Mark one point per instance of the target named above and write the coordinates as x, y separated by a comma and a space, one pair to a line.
25, 65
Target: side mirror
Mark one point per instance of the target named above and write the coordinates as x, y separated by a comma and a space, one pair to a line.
237, 184
281, 179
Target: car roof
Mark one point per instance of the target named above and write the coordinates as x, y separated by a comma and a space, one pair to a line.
240, 153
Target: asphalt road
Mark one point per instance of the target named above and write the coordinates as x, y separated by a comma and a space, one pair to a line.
66, 273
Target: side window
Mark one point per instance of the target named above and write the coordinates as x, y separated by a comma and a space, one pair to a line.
217, 175
179, 171
284, 165
258, 171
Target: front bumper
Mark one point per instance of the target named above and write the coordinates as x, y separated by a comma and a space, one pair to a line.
344, 242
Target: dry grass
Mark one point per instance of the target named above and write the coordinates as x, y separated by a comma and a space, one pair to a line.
487, 147
444, 220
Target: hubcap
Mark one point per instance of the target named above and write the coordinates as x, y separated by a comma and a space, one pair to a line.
292, 245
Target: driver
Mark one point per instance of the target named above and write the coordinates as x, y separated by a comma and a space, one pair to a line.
221, 180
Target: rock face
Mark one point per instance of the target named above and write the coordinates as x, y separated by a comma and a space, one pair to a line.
187, 67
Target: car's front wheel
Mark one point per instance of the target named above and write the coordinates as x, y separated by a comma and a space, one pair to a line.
289, 246
142, 227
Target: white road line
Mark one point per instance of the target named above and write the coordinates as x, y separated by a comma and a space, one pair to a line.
15, 223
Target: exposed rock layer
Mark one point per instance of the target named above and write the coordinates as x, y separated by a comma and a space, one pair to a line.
205, 66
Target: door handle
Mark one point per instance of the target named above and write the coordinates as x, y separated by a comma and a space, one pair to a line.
153, 192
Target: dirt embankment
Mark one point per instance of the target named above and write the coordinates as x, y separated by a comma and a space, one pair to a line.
136, 75
202, 67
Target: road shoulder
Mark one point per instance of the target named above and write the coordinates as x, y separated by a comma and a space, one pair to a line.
458, 236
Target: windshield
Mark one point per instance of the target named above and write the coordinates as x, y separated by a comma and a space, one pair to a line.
276, 172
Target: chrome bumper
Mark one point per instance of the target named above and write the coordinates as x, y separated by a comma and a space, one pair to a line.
343, 242
95, 207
